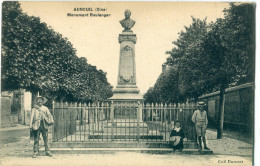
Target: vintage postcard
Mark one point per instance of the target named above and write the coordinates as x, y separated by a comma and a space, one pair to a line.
128, 83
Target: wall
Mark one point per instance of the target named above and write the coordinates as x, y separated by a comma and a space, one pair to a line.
239, 108
27, 107
15, 108
5, 113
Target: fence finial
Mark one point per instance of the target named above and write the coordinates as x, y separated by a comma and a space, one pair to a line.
53, 103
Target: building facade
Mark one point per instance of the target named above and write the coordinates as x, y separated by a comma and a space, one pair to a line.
15, 108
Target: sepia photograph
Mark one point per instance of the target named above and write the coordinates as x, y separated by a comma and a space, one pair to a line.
128, 83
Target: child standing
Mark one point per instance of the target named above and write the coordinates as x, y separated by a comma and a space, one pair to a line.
176, 137
200, 119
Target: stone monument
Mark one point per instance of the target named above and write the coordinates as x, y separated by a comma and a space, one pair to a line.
126, 121
126, 89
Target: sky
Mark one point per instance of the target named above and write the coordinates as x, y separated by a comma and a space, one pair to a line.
96, 38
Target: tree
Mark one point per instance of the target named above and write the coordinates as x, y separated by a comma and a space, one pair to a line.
217, 55
188, 59
183, 79
230, 46
34, 57
165, 89
213, 56
89, 83
38, 59
151, 96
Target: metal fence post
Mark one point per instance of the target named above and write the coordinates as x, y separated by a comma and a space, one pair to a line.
81, 114
66, 121
74, 118
62, 121
165, 121
193, 108
112, 120
52, 127
139, 112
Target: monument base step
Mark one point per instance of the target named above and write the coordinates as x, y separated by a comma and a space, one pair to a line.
117, 150
126, 131
126, 124
118, 144
125, 136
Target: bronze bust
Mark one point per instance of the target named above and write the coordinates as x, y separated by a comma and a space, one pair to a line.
127, 23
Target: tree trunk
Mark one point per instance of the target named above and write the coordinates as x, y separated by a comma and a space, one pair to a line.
221, 111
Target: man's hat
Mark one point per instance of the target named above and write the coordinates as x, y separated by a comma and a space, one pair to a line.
201, 103
44, 100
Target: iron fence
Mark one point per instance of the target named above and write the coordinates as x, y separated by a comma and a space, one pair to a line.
120, 121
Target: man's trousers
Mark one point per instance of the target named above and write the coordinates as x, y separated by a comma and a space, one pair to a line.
36, 134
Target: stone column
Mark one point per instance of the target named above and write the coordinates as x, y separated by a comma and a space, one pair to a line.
126, 81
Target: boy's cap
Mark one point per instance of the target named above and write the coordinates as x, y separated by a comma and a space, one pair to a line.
201, 103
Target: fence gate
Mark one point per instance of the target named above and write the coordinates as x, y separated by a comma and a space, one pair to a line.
120, 122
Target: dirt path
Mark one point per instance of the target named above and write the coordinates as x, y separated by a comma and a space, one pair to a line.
128, 159
228, 146
225, 150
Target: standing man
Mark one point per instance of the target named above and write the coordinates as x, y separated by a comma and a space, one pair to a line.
41, 118
200, 119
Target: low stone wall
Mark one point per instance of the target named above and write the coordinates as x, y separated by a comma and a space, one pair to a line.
5, 114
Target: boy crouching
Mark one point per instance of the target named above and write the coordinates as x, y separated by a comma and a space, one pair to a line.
176, 137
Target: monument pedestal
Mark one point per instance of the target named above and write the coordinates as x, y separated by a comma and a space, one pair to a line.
126, 93
126, 106
126, 111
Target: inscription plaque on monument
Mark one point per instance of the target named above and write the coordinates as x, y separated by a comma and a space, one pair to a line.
126, 65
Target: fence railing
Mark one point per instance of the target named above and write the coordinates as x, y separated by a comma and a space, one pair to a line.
120, 122
64, 121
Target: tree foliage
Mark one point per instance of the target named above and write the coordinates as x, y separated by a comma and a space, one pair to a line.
231, 46
36, 58
211, 57
207, 57
165, 89
189, 59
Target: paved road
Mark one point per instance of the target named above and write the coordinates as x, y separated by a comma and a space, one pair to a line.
10, 136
